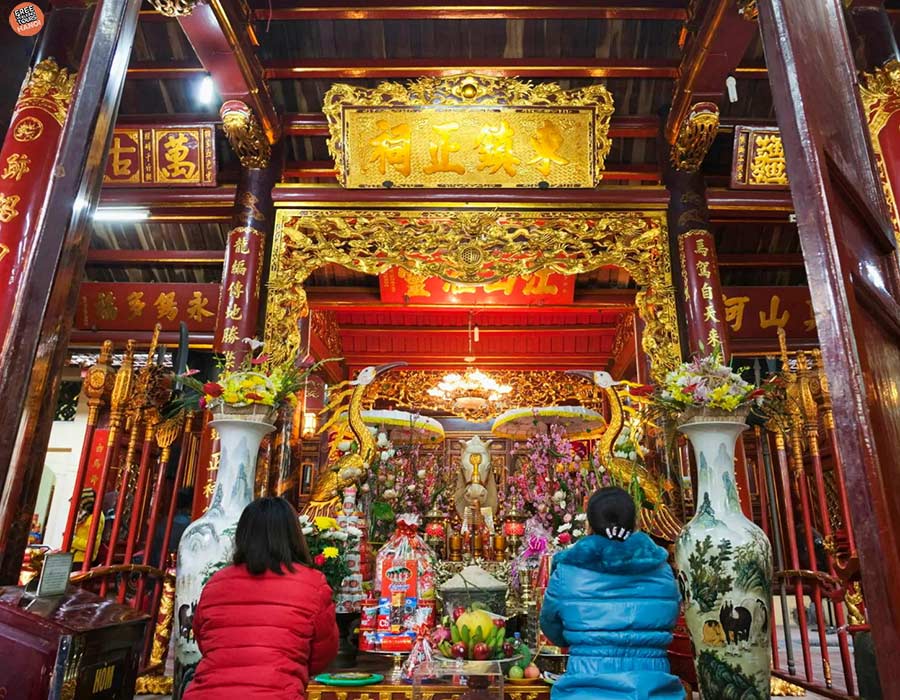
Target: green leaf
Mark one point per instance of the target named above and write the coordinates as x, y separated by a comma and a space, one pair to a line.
383, 511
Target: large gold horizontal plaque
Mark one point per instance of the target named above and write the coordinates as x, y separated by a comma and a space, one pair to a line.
468, 131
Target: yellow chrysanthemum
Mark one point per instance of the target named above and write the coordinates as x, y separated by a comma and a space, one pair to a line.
330, 552
326, 523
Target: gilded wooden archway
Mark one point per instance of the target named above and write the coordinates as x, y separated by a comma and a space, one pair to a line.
473, 247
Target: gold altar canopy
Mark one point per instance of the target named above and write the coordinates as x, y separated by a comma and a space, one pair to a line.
473, 248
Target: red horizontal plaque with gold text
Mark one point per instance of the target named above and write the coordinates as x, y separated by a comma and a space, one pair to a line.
399, 286
758, 312
183, 156
123, 306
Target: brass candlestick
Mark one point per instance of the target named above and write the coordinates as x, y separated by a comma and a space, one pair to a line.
500, 547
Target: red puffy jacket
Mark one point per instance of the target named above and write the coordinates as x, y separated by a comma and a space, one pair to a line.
262, 636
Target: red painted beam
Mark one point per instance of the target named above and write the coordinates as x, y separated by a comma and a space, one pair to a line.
155, 257
592, 329
304, 170
368, 299
322, 69
201, 202
760, 259
156, 70
713, 52
673, 10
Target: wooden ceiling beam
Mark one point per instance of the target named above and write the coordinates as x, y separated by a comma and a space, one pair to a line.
660, 10
222, 35
204, 202
137, 258
334, 69
442, 361
712, 53
760, 259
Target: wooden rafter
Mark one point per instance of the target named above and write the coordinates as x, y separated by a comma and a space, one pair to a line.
223, 39
711, 54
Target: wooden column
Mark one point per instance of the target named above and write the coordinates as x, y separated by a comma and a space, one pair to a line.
252, 224
691, 243
850, 253
47, 287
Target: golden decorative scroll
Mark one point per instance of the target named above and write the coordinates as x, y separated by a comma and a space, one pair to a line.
174, 8
163, 621
473, 247
695, 135
759, 161
880, 93
324, 326
779, 688
468, 131
748, 10
245, 134
409, 389
48, 87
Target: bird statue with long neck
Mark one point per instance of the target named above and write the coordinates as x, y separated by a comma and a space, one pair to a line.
655, 517
351, 468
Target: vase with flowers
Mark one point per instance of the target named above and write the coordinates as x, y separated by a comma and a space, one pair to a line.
243, 401
724, 560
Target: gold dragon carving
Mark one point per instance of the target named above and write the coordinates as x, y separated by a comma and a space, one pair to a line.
880, 93
469, 247
48, 87
245, 134
695, 136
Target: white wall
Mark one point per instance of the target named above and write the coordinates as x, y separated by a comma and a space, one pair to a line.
60, 468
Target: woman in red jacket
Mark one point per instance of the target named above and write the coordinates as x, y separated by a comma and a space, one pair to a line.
267, 623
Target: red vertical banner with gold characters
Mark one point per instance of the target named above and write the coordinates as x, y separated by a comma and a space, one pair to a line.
26, 164
706, 323
239, 296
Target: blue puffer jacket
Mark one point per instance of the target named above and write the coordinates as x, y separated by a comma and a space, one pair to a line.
614, 605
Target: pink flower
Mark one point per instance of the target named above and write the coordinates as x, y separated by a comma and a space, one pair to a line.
564, 538
259, 360
190, 372
202, 402
319, 560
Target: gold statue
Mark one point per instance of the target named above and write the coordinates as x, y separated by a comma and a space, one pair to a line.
351, 468
654, 518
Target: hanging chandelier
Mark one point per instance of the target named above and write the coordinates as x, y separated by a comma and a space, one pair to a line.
473, 395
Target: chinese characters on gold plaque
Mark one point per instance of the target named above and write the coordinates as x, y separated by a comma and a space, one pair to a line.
162, 156
468, 146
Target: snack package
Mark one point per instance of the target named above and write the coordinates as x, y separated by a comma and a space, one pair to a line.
350, 595
421, 651
404, 580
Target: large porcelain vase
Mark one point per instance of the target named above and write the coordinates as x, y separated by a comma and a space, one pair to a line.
724, 571
207, 545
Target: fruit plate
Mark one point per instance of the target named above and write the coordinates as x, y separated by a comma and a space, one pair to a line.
505, 663
349, 679
520, 681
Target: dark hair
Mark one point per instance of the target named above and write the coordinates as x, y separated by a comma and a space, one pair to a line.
269, 537
184, 499
611, 513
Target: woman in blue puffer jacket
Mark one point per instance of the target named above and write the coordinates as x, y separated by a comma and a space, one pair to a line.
613, 601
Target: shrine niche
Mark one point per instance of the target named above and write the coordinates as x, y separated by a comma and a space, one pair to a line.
473, 248
468, 131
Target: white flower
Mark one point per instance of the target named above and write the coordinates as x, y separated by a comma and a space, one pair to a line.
559, 496
565, 527
392, 452
354, 531
390, 494
327, 534
373, 430
421, 473
253, 343
385, 455
304, 519
632, 456
577, 533
581, 517
383, 440
344, 445
307, 530
340, 535
365, 488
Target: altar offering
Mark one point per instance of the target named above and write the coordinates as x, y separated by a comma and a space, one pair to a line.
404, 575
474, 585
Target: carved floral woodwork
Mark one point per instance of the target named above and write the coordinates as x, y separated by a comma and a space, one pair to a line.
325, 327
409, 389
473, 247
695, 136
880, 93
245, 134
174, 8
748, 10
48, 88
468, 130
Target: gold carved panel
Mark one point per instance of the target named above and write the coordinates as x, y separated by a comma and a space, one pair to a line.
473, 247
468, 131
759, 161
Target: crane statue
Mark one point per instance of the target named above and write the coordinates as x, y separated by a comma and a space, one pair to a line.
351, 468
655, 517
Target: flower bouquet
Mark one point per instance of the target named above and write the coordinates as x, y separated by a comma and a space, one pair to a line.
327, 543
252, 391
703, 388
